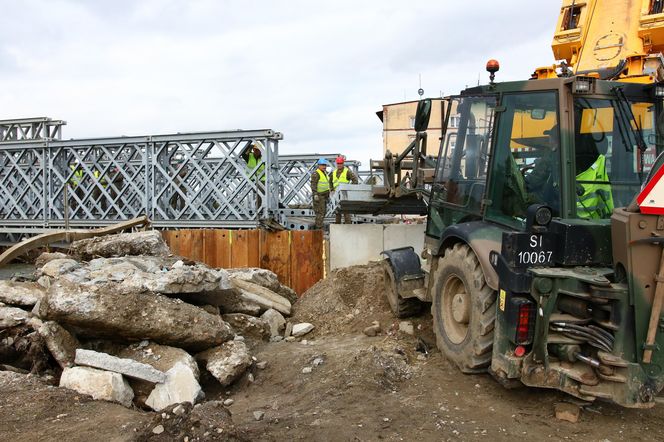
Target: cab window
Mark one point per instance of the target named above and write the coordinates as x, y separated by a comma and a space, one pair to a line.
610, 165
526, 164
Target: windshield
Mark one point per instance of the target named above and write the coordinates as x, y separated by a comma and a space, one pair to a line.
610, 166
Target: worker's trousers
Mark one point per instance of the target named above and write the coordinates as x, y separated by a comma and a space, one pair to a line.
320, 207
347, 218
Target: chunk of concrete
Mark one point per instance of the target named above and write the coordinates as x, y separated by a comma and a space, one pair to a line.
159, 275
373, 330
262, 296
100, 384
407, 327
233, 302
59, 341
127, 367
264, 278
275, 320
25, 294
12, 316
189, 279
122, 244
59, 267
226, 362
97, 311
161, 357
249, 326
180, 386
567, 412
47, 257
302, 329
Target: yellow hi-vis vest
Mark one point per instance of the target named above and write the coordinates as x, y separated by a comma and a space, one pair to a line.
342, 178
103, 180
597, 199
323, 182
77, 177
252, 162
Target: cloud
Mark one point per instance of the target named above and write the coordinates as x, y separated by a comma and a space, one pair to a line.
316, 71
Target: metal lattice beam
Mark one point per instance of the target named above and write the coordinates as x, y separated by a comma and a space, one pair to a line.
182, 180
30, 129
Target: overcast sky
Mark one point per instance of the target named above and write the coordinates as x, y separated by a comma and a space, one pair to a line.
317, 71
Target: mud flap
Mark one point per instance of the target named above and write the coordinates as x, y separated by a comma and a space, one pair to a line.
407, 271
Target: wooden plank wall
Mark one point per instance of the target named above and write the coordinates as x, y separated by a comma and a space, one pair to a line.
295, 256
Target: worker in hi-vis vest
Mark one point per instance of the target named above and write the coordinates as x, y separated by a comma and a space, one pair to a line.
75, 186
320, 189
253, 156
342, 175
594, 196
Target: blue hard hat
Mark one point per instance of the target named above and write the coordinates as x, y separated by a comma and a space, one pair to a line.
322, 160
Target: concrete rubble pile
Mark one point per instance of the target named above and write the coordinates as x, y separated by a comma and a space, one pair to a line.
126, 321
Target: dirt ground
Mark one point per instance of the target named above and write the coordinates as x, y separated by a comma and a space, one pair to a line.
336, 384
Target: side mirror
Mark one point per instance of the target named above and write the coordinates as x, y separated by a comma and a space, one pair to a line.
422, 115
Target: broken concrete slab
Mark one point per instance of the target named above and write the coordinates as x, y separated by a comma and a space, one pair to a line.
226, 362
59, 341
123, 244
302, 329
180, 386
248, 326
264, 278
12, 316
262, 296
126, 367
100, 384
25, 294
234, 303
47, 257
161, 357
98, 311
275, 320
60, 266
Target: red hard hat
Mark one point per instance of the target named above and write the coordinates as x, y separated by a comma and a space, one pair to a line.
340, 160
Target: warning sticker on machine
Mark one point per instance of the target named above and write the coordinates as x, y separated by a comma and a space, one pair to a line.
502, 300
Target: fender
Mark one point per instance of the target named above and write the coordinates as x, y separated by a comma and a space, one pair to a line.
482, 237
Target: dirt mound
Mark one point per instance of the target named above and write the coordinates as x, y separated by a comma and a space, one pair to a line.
347, 301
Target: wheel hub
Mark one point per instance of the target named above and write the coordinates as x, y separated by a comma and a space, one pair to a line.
455, 309
460, 310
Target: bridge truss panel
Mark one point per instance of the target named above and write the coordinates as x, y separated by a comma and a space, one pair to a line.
30, 129
182, 180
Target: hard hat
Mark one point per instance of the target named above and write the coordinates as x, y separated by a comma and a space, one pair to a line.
322, 161
340, 159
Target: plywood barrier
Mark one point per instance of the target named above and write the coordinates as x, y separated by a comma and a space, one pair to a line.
295, 256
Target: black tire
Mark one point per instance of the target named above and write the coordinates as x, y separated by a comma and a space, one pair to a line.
401, 307
463, 310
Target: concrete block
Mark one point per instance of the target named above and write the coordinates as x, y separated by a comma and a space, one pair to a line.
403, 235
354, 244
302, 329
226, 362
180, 386
100, 384
127, 367
275, 320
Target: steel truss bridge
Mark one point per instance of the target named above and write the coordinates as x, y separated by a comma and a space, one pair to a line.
181, 180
